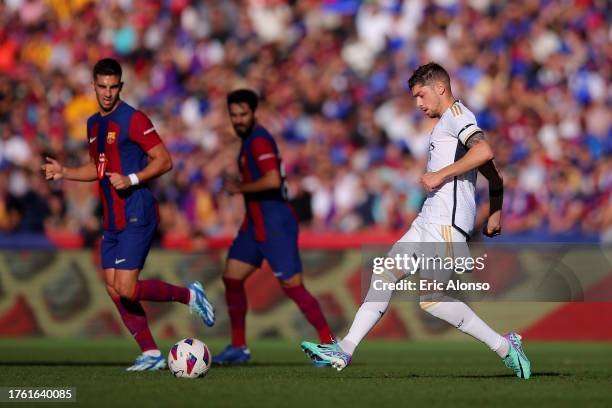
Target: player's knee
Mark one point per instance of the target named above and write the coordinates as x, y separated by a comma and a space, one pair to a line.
125, 289
293, 282
232, 274
112, 292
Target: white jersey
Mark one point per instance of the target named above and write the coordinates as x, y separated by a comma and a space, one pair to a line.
454, 203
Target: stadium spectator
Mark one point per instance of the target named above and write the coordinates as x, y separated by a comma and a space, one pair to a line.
332, 76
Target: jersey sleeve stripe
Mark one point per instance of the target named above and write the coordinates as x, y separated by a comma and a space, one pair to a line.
472, 133
464, 128
266, 156
146, 132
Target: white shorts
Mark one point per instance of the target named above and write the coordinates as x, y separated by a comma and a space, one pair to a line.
422, 230
429, 240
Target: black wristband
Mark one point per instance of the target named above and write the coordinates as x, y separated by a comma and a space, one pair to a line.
496, 193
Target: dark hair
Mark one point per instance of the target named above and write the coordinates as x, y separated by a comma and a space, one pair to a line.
243, 96
426, 74
107, 66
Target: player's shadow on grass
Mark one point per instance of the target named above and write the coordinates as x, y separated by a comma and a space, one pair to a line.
65, 363
443, 376
481, 376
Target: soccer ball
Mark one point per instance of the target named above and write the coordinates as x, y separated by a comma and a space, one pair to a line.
189, 358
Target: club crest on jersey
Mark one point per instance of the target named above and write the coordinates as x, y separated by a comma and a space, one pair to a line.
110, 137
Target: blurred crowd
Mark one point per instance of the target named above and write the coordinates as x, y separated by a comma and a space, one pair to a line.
333, 80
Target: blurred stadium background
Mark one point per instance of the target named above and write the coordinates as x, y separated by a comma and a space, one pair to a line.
333, 77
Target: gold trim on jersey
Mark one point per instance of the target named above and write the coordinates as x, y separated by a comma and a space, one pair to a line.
456, 110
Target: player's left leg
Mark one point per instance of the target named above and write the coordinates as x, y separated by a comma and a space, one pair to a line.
309, 306
461, 316
282, 253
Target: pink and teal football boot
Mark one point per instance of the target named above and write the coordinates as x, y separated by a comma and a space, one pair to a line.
516, 358
326, 354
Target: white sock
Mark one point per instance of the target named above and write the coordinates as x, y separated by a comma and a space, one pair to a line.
371, 310
152, 353
367, 316
192, 296
463, 318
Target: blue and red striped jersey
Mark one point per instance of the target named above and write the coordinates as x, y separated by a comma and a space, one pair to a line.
266, 211
124, 137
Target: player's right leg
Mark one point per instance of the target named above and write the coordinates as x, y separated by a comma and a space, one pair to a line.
339, 355
133, 247
242, 260
135, 320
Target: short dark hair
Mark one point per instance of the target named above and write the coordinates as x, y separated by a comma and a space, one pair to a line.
107, 66
426, 74
243, 96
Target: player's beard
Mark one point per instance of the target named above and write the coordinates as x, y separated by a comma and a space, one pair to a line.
244, 131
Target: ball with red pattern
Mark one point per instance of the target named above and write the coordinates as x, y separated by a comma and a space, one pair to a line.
189, 358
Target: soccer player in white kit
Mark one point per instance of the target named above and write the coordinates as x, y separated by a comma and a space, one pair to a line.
458, 149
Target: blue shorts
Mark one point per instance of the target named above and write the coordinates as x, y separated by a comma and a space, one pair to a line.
128, 248
281, 251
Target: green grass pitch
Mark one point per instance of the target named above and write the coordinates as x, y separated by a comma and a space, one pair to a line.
402, 374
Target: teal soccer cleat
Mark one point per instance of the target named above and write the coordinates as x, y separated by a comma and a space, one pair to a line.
148, 363
326, 354
200, 304
516, 358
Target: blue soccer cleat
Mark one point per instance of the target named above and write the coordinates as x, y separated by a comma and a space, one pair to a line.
200, 304
233, 355
516, 358
145, 362
330, 354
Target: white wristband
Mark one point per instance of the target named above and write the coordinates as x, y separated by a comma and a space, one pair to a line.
134, 179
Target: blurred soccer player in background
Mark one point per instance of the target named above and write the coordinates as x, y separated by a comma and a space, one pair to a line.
125, 153
458, 149
269, 230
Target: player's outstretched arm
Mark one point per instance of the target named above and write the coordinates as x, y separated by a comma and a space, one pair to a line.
55, 171
159, 163
479, 152
496, 198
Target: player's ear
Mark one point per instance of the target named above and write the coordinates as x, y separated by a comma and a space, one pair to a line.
440, 88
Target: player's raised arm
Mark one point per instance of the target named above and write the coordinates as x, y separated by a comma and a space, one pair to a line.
55, 171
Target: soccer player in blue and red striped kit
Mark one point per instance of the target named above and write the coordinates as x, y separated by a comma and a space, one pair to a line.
269, 230
125, 153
